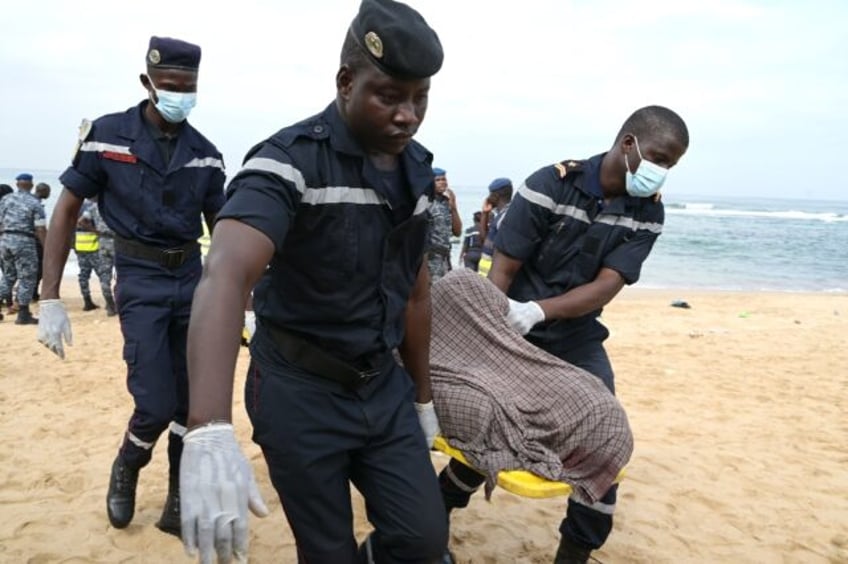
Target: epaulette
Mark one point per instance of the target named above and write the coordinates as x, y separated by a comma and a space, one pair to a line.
564, 167
288, 135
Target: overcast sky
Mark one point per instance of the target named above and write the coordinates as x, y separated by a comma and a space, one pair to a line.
763, 85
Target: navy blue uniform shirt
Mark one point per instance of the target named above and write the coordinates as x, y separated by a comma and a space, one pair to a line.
558, 226
141, 196
349, 239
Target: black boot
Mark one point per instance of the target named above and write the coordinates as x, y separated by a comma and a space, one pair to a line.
25, 317
120, 500
169, 522
110, 307
89, 305
570, 553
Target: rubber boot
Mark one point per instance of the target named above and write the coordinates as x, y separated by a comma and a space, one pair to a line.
120, 499
111, 310
25, 317
169, 522
570, 553
89, 305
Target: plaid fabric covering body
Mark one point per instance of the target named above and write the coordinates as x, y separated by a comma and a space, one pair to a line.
508, 405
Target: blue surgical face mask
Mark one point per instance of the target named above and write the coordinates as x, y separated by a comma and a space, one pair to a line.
174, 107
648, 178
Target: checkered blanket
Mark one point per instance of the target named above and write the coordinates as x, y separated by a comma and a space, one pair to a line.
509, 405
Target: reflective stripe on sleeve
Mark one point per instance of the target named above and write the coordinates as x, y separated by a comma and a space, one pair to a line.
342, 195
547, 202
206, 161
283, 170
629, 223
98, 147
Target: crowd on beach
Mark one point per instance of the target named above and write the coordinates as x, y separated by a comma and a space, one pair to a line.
332, 244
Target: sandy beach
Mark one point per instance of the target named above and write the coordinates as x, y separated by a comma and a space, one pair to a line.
738, 406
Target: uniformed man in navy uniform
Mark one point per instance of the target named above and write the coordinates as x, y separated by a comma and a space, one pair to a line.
154, 176
574, 235
328, 220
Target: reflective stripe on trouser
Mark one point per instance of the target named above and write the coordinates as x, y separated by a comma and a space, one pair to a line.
458, 482
318, 438
154, 304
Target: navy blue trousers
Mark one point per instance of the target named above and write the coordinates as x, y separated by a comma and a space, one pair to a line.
588, 526
318, 438
154, 304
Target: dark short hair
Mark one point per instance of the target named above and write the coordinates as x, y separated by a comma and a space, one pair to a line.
655, 121
5, 190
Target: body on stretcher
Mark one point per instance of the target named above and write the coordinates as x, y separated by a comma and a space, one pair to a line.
519, 482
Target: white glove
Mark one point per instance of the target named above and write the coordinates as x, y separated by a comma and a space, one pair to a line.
523, 316
428, 420
53, 325
216, 488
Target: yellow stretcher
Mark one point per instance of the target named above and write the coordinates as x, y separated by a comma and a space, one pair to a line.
519, 482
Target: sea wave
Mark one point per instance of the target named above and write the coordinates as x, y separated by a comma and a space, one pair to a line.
713, 211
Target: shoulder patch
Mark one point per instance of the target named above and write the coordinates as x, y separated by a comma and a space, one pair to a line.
564, 167
84, 132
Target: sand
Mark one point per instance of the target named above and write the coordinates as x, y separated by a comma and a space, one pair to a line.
738, 406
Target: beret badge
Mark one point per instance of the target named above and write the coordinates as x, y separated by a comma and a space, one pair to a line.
153, 57
374, 44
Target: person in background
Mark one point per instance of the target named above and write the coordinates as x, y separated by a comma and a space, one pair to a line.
87, 244
5, 190
105, 257
493, 212
139, 164
444, 223
22, 221
576, 233
472, 246
42, 192
326, 223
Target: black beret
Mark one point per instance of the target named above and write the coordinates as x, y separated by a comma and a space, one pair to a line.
168, 53
397, 39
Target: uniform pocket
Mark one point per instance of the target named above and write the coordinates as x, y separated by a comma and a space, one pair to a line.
130, 352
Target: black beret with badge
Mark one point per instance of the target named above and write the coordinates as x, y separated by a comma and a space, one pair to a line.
397, 40
168, 53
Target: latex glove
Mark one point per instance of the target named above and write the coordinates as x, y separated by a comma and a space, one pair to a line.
428, 420
250, 322
216, 489
53, 326
522, 316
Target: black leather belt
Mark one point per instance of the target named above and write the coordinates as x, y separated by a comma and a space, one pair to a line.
312, 358
15, 232
173, 257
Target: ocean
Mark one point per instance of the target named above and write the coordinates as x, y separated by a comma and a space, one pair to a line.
708, 242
